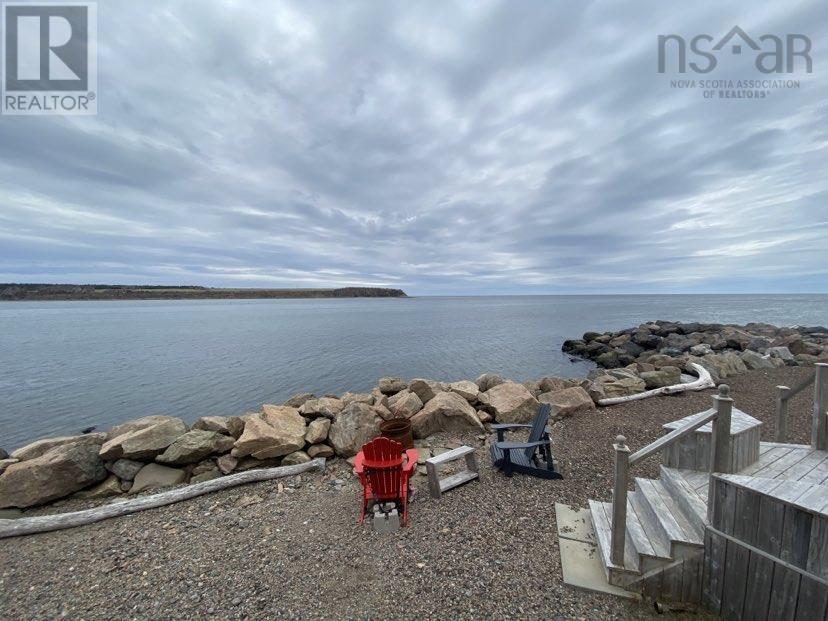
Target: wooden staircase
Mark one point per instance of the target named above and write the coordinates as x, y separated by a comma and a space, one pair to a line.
665, 527
733, 524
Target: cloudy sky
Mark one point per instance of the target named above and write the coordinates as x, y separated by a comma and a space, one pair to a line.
441, 147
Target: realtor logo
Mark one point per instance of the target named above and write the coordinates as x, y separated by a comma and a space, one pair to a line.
49, 58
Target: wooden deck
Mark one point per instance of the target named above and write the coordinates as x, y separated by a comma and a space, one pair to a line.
781, 462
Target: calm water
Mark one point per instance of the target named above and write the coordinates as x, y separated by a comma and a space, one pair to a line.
69, 365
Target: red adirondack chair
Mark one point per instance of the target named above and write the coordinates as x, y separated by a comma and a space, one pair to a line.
384, 469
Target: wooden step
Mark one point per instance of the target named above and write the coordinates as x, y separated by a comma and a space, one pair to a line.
653, 500
693, 505
647, 539
601, 513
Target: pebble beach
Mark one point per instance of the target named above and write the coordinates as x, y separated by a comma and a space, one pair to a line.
293, 548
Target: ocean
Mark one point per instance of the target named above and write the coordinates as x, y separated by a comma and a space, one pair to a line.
65, 366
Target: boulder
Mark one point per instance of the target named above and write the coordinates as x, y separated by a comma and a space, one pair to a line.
227, 463
781, 352
355, 425
320, 450
207, 475
318, 430
111, 486
5, 463
510, 402
297, 401
379, 398
194, 446
226, 425
488, 381
41, 447
328, 407
532, 386
354, 397
3, 454
484, 416
383, 412
609, 360
725, 365
466, 389
144, 443
608, 387
404, 404
280, 431
568, 401
701, 350
137, 424
754, 360
125, 469
664, 376
297, 457
391, 385
553, 384
202, 467
154, 476
57, 473
425, 389
447, 411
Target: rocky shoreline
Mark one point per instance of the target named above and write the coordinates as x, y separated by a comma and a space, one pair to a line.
161, 451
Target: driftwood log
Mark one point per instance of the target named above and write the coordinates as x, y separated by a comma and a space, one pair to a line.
46, 523
704, 381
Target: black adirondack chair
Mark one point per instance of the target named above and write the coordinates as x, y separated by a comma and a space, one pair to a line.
533, 457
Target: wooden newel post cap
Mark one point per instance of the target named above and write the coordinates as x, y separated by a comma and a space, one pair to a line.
621, 441
724, 391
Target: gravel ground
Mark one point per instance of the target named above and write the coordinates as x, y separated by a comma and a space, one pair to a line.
485, 550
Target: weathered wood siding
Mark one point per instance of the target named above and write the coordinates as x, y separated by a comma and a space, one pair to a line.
766, 558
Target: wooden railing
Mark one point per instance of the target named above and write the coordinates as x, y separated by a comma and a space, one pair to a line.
719, 416
819, 428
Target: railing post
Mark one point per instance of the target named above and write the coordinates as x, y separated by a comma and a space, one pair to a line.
720, 437
819, 428
619, 500
782, 396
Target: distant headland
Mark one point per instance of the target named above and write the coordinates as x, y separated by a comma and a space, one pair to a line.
25, 291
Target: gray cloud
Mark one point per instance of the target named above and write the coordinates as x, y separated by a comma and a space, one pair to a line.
450, 147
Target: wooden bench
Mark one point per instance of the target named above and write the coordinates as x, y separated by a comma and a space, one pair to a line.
436, 485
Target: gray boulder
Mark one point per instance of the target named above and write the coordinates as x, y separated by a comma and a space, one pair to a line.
154, 476
664, 376
329, 407
137, 424
5, 463
488, 381
568, 401
391, 385
320, 450
225, 425
754, 360
355, 425
125, 469
297, 401
318, 430
510, 402
41, 447
781, 352
447, 411
425, 389
280, 431
351, 397
297, 457
111, 486
144, 443
194, 446
466, 389
404, 404
55, 474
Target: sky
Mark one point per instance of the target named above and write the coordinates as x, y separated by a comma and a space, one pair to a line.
515, 147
